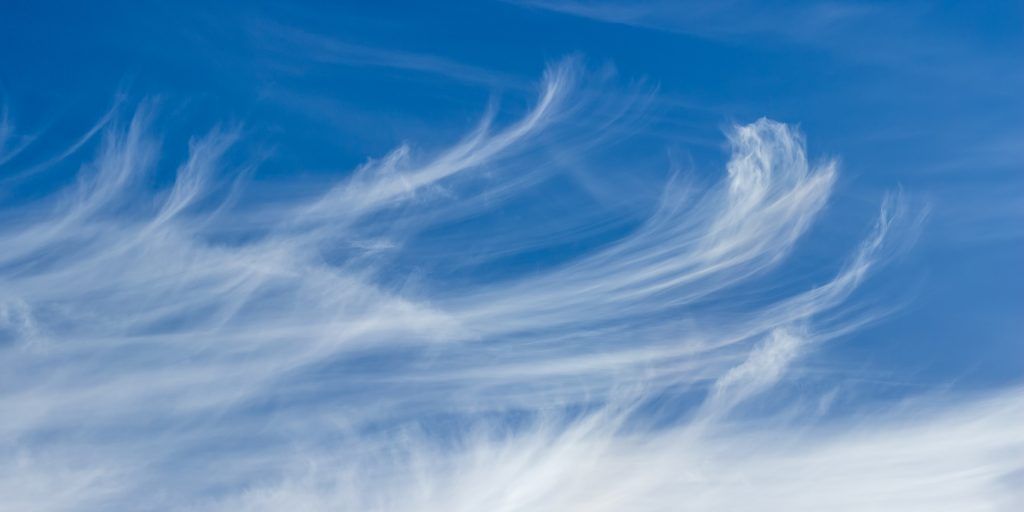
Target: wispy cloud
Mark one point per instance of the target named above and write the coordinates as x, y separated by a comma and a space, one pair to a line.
298, 45
719, 20
10, 143
894, 36
152, 361
889, 462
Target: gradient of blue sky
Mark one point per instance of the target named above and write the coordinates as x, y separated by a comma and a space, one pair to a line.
917, 103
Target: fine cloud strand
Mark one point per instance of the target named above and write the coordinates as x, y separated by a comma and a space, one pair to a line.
200, 343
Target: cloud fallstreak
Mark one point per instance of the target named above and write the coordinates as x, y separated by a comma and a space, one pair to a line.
180, 347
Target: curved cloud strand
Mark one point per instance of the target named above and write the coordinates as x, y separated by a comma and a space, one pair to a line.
185, 348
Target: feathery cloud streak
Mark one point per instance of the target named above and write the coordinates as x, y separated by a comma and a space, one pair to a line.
155, 357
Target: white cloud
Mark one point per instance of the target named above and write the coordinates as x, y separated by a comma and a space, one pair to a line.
151, 362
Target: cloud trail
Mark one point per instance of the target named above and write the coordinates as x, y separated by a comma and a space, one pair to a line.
325, 49
187, 348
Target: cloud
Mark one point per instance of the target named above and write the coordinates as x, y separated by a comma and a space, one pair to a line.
886, 462
10, 144
324, 49
193, 347
724, 20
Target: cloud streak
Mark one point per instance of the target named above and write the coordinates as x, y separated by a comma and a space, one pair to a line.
187, 348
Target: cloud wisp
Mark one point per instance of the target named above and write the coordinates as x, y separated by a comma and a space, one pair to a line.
189, 347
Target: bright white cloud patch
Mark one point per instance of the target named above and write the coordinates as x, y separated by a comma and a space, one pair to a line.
180, 348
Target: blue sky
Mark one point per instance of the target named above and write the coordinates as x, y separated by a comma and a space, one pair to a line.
542, 255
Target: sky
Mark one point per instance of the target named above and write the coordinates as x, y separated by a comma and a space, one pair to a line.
511, 256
